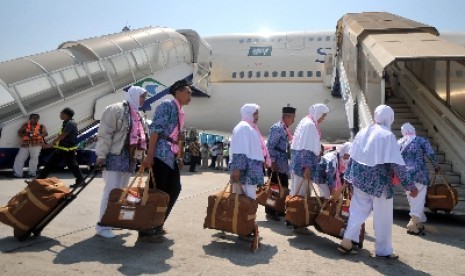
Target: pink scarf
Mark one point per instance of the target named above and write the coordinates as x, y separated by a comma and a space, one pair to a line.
175, 134
316, 125
137, 135
288, 132
264, 149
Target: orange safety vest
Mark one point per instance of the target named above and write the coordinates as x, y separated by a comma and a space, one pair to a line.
33, 138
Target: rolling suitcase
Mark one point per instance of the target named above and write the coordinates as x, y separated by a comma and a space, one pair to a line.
32, 209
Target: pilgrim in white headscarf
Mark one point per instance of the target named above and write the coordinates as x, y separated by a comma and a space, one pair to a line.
248, 152
306, 148
117, 122
375, 155
413, 149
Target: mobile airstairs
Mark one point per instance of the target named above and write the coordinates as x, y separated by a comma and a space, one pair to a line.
386, 59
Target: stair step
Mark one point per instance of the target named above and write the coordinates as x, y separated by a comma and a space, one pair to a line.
401, 120
395, 100
398, 124
397, 105
404, 115
401, 109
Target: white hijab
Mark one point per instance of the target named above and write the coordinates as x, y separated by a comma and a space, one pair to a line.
409, 133
133, 96
317, 110
245, 139
376, 144
306, 135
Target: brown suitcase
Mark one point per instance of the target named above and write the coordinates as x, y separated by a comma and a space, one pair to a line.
28, 207
302, 210
136, 208
273, 195
329, 220
441, 196
231, 212
334, 215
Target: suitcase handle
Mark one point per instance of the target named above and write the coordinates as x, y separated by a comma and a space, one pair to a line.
145, 194
268, 187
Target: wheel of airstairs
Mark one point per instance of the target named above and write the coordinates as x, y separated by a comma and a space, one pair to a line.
402, 115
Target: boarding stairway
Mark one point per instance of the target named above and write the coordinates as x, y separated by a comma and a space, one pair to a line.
404, 114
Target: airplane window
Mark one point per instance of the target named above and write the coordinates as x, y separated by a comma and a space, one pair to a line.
318, 74
275, 74
241, 40
266, 74
249, 40
283, 74
319, 39
241, 74
328, 38
309, 74
311, 39
257, 40
258, 74
279, 39
459, 73
291, 74
250, 74
300, 74
234, 75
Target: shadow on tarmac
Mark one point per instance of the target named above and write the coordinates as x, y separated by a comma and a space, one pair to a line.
440, 228
228, 246
327, 248
135, 258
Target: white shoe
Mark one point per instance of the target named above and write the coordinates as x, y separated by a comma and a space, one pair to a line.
106, 233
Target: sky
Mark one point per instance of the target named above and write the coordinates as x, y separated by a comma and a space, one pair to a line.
34, 26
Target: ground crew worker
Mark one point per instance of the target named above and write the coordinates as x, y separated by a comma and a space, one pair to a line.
65, 145
32, 136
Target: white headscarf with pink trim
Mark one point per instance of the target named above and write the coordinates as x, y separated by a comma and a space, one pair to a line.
247, 139
307, 135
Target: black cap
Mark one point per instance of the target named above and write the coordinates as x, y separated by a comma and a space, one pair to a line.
34, 114
68, 111
289, 110
178, 85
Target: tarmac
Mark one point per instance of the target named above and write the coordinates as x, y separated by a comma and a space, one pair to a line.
68, 245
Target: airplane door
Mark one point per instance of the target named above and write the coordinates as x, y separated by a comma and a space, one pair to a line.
295, 41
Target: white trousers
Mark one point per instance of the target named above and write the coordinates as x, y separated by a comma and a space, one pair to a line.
322, 190
295, 184
23, 153
113, 180
249, 190
361, 206
417, 204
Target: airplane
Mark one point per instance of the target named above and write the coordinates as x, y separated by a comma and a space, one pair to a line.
227, 71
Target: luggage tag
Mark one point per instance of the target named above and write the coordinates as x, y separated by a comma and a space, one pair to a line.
127, 213
138, 154
270, 202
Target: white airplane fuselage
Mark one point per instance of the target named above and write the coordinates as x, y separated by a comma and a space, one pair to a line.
271, 71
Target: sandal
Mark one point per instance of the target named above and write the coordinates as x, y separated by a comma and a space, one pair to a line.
392, 256
350, 251
413, 233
